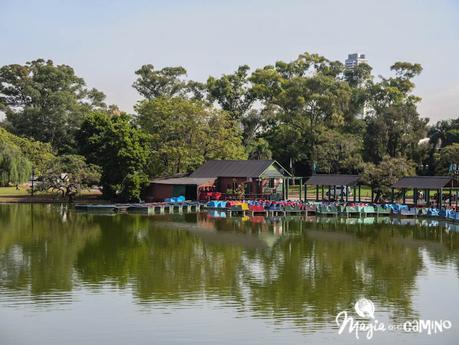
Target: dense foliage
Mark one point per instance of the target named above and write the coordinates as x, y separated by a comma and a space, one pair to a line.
311, 114
380, 177
121, 149
46, 102
14, 167
36, 152
185, 133
18, 156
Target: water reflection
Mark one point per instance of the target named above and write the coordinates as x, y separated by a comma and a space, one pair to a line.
305, 270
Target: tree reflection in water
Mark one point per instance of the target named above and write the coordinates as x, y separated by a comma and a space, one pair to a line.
274, 268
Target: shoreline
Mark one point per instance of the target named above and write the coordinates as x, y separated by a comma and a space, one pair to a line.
48, 199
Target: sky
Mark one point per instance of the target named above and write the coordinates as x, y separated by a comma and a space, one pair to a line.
106, 41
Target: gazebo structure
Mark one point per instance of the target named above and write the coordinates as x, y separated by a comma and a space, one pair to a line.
335, 183
426, 184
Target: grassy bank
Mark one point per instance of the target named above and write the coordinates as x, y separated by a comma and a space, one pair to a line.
23, 195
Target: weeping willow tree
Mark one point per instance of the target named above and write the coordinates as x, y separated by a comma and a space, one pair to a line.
38, 153
14, 166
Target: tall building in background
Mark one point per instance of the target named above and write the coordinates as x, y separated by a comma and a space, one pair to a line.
351, 62
355, 59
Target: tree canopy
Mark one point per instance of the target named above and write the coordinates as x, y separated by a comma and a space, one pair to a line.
311, 113
185, 133
121, 149
382, 176
46, 102
18, 156
14, 167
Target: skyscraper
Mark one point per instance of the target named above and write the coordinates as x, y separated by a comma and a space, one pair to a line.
355, 59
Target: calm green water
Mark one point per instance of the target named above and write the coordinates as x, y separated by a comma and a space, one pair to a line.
73, 278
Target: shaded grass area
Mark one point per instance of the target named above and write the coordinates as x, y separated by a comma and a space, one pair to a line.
12, 191
12, 194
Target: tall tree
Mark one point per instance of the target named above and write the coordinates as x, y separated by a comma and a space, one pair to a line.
308, 96
445, 157
46, 102
37, 153
360, 80
184, 133
339, 153
394, 126
14, 167
18, 156
396, 90
444, 132
232, 92
382, 176
166, 82
121, 149
394, 131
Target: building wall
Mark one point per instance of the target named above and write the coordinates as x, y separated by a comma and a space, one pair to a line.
256, 186
158, 192
354, 60
225, 183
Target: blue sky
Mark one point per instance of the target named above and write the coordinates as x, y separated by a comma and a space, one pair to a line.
106, 41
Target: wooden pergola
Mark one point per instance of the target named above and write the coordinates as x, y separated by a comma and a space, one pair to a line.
426, 184
322, 181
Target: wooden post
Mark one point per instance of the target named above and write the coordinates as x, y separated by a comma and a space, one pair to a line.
283, 189
450, 196
306, 192
415, 197
392, 195
317, 193
347, 194
323, 194
286, 188
360, 199
354, 196
372, 194
456, 200
301, 188
440, 198
404, 195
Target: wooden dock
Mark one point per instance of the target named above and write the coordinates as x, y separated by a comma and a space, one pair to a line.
154, 208
324, 211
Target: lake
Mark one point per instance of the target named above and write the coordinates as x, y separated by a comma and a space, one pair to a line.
76, 278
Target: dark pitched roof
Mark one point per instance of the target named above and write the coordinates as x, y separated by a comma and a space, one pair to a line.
333, 180
426, 182
185, 181
236, 168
